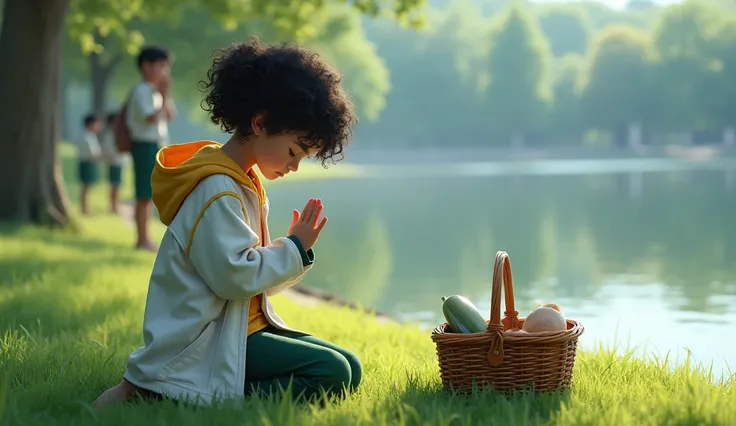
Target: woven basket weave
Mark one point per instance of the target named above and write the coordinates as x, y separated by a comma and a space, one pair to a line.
502, 357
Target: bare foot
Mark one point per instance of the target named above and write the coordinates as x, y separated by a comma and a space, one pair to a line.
120, 393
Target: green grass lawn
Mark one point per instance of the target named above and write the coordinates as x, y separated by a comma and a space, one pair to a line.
72, 307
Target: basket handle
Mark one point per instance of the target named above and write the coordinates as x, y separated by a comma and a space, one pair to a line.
501, 274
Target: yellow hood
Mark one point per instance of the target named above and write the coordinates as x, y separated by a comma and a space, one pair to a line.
180, 167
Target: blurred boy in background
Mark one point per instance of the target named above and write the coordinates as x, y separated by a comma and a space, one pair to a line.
114, 160
88, 153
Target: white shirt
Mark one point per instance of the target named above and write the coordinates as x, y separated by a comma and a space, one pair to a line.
89, 147
145, 100
109, 149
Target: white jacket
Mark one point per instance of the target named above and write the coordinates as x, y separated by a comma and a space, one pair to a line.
208, 266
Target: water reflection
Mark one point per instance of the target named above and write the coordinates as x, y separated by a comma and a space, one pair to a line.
650, 254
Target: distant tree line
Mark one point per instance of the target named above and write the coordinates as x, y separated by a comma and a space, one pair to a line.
566, 74
486, 72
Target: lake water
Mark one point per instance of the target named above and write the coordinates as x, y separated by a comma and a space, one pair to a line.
643, 253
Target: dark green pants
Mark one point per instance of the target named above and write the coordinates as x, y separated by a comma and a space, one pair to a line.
115, 174
143, 154
275, 359
88, 172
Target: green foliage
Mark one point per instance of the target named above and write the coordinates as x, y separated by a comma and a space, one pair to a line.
617, 85
478, 71
334, 31
728, 4
723, 83
343, 42
566, 29
685, 38
519, 87
567, 110
291, 18
685, 30
192, 53
90, 21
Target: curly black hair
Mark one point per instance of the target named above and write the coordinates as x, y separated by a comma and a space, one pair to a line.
290, 85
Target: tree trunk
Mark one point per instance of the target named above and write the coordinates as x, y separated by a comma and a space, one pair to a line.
100, 73
66, 132
99, 86
31, 185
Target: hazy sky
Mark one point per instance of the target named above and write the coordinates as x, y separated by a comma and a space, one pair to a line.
614, 4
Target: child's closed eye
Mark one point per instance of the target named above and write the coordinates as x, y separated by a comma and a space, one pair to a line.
291, 153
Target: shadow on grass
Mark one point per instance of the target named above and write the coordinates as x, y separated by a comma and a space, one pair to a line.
423, 401
67, 237
53, 312
48, 293
20, 270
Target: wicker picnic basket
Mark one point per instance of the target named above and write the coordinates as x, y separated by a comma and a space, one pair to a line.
501, 358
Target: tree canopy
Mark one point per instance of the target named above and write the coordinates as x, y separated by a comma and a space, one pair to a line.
107, 31
550, 73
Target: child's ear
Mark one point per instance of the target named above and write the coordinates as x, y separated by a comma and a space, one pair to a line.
256, 124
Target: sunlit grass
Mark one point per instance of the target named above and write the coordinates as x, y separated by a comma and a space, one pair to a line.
72, 307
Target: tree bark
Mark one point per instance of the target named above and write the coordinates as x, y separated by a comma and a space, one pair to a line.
101, 71
66, 132
31, 184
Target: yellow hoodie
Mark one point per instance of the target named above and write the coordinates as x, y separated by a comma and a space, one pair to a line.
178, 170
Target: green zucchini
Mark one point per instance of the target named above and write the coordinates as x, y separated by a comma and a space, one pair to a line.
462, 316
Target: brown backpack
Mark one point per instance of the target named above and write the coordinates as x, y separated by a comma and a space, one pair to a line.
119, 127
120, 130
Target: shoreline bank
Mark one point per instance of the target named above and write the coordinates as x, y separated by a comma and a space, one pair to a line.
311, 296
